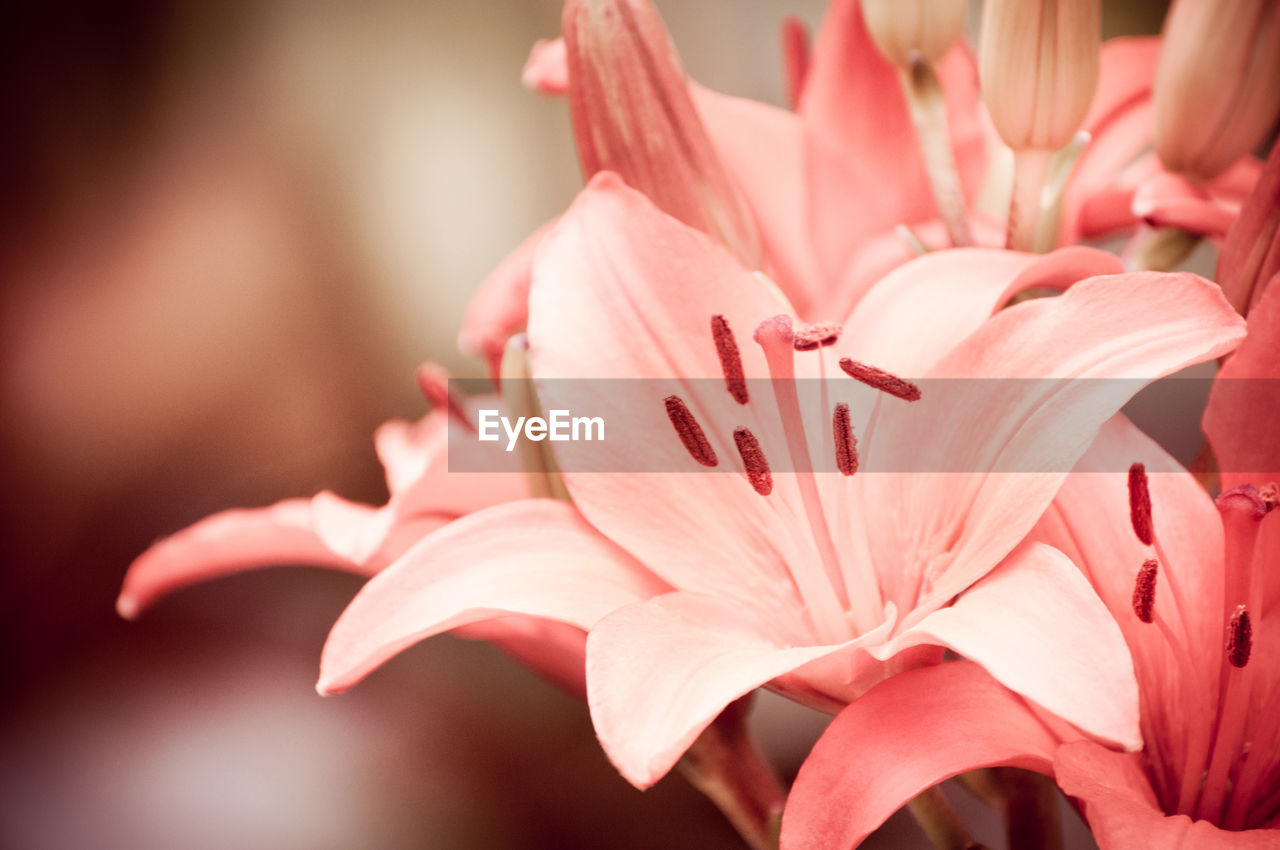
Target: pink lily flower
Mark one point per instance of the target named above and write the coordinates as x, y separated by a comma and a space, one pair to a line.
815, 583
1180, 575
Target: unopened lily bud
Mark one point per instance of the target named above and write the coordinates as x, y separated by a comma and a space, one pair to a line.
632, 114
1039, 66
906, 29
1217, 87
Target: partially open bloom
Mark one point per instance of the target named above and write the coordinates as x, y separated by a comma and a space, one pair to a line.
820, 584
1250, 258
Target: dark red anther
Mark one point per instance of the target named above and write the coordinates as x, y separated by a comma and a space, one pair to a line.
1239, 637
1140, 504
846, 443
690, 432
753, 459
880, 380
1144, 590
817, 335
730, 359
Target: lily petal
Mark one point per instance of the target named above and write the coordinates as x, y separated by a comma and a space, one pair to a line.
1121, 807
1036, 625
500, 307
1244, 404
659, 672
908, 734
1127, 329
626, 291
231, 542
482, 568
945, 296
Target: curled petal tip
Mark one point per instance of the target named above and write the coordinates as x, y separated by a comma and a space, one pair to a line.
127, 607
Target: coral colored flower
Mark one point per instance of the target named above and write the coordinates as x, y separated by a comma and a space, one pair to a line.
818, 584
1210, 769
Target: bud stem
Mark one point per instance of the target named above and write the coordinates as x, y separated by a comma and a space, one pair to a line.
928, 109
1030, 166
726, 767
940, 823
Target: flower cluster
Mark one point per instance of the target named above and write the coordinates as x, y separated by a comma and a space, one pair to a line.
871, 454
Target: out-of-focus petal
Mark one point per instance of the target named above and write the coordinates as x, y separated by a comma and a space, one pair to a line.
545, 70
479, 568
908, 734
1244, 404
1251, 255
500, 307
231, 542
1168, 200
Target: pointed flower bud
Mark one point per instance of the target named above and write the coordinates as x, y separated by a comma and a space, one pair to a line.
1039, 66
632, 114
1250, 257
1216, 95
905, 29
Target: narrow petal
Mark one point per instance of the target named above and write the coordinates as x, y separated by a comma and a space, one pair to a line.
1076, 359
1121, 808
1168, 200
500, 307
1244, 404
481, 568
227, 543
660, 671
1036, 625
906, 735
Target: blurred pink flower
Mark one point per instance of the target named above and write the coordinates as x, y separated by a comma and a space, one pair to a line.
818, 584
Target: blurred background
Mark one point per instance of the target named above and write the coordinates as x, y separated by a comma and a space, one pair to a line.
230, 232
